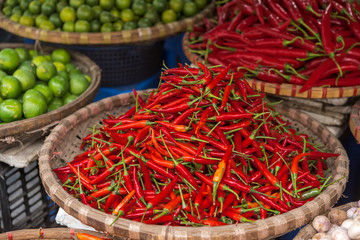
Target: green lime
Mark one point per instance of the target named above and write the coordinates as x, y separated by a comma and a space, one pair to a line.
24, 4
60, 5
23, 54
176, 5
27, 21
34, 103
28, 14
7, 11
118, 25
160, 5
45, 71
68, 14
122, 4
168, 16
130, 25
46, 91
74, 72
144, 22
17, 11
26, 78
190, 9
107, 5
40, 18
82, 26
70, 67
69, 98
69, 27
59, 86
78, 84
28, 66
47, 25
9, 59
2, 74
97, 10
12, 3
60, 55
201, 3
64, 74
10, 110
139, 7
92, 2
152, 15
38, 60
76, 3
127, 15
59, 66
105, 17
47, 8
10, 87
106, 27
55, 19
115, 14
88, 78
84, 12
55, 104
15, 18
95, 25
34, 53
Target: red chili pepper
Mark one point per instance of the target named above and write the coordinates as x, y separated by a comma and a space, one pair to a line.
123, 202
326, 35
235, 216
278, 10
163, 194
217, 79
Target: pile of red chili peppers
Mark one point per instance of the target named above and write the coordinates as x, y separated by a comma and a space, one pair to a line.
204, 149
313, 43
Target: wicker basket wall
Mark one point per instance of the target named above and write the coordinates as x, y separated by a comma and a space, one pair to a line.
66, 139
355, 120
284, 89
50, 233
308, 231
29, 130
126, 36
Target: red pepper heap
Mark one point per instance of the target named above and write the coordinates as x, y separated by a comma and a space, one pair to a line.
204, 149
312, 43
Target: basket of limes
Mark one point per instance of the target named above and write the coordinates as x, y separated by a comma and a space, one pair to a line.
94, 22
40, 87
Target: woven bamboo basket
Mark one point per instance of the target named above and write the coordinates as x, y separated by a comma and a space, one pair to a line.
28, 130
307, 232
66, 139
354, 122
121, 37
284, 89
50, 233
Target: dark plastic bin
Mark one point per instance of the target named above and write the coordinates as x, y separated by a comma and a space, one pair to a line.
24, 203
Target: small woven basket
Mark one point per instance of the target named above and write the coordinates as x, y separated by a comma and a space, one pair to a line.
50, 233
307, 232
354, 122
29, 130
284, 89
66, 139
126, 36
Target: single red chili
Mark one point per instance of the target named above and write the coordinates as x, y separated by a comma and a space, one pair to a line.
326, 35
163, 194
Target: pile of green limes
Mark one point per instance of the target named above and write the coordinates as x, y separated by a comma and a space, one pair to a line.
32, 84
99, 15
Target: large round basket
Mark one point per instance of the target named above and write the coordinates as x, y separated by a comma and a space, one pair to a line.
126, 36
50, 234
307, 232
64, 141
284, 89
354, 122
29, 130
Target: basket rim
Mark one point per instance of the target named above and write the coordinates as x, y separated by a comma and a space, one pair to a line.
127, 228
138, 35
47, 119
284, 89
48, 233
354, 121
